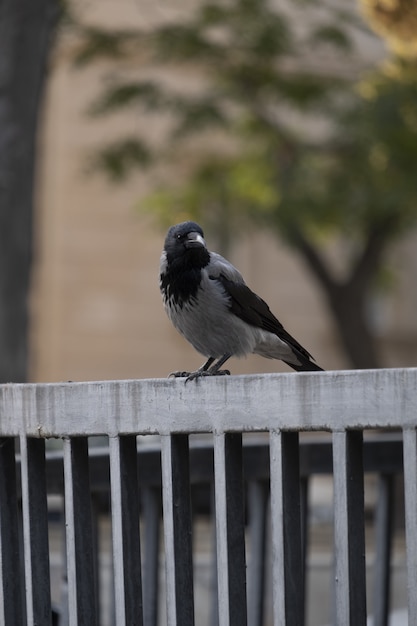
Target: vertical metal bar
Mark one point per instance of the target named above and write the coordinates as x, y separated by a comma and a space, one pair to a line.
383, 544
125, 530
287, 575
35, 531
79, 534
277, 529
410, 486
222, 551
95, 525
177, 530
151, 523
10, 574
304, 488
349, 534
64, 609
257, 507
214, 609
230, 529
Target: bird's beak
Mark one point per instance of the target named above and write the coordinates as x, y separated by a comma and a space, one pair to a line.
194, 240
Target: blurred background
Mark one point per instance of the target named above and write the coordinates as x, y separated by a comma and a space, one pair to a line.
287, 129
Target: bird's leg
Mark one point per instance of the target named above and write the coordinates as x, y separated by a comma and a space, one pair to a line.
207, 369
200, 372
215, 370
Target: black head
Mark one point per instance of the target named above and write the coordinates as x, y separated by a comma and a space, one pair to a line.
184, 256
185, 244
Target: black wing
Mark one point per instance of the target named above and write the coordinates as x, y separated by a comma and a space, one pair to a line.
244, 303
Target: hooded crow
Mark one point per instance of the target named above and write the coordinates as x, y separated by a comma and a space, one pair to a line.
209, 303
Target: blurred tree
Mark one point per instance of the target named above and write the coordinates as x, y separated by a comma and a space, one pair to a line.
259, 69
26, 27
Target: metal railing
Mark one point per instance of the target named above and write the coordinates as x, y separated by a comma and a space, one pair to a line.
344, 404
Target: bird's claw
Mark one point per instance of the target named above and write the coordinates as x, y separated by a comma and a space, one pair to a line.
221, 373
179, 374
195, 375
200, 373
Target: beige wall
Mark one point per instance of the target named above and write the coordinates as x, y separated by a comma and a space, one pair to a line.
97, 312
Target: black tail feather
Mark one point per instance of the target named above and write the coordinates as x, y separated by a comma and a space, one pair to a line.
305, 366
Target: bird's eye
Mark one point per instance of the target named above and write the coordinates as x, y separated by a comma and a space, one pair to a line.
179, 237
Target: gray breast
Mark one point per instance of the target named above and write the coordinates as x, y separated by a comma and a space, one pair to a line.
207, 323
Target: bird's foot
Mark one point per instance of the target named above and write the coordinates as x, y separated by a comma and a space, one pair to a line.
207, 369
209, 372
197, 374
179, 374
219, 372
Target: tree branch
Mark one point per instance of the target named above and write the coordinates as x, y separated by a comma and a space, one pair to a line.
314, 259
368, 262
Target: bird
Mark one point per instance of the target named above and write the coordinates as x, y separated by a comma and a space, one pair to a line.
209, 303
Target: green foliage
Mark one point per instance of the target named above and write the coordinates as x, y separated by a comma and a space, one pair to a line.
180, 43
332, 34
120, 158
374, 174
358, 178
127, 94
363, 178
101, 44
241, 50
245, 185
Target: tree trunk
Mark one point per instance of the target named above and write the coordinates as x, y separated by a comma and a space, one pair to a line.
26, 28
350, 314
348, 300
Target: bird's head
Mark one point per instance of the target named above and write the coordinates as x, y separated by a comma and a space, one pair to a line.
185, 243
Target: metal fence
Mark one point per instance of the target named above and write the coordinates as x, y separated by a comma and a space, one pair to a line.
280, 407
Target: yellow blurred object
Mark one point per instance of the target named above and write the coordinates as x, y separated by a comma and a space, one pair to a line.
396, 21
